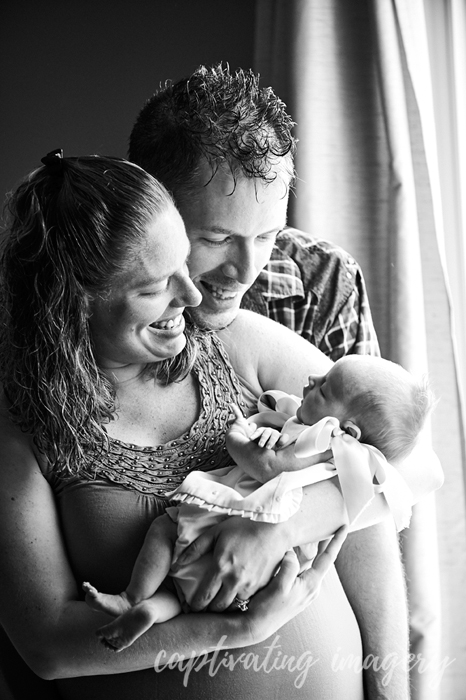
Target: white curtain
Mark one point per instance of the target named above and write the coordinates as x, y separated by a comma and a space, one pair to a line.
356, 78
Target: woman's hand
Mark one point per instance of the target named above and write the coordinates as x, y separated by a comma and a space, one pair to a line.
289, 593
245, 556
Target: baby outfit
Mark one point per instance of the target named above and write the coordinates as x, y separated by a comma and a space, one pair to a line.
206, 498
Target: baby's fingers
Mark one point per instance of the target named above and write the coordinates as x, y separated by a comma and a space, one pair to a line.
265, 437
283, 440
257, 432
259, 435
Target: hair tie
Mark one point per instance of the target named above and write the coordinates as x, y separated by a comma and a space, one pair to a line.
54, 161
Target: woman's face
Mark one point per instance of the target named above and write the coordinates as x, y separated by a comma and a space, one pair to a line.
140, 321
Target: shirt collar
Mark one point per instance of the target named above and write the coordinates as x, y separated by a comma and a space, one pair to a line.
281, 277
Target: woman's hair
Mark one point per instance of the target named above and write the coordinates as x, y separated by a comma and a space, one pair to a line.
218, 115
72, 226
392, 412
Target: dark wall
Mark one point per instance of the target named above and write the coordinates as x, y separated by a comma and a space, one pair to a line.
75, 73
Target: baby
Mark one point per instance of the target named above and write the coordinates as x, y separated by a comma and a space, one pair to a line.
354, 422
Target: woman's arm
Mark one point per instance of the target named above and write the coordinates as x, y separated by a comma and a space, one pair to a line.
54, 630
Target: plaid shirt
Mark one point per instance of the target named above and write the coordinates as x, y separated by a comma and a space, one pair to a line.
317, 290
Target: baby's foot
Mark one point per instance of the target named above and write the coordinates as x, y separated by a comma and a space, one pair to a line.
102, 602
123, 631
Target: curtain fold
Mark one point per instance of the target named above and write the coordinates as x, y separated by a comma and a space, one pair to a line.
356, 79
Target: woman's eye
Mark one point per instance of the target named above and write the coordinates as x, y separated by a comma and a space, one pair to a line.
155, 292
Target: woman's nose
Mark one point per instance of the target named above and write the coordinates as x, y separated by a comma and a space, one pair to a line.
187, 294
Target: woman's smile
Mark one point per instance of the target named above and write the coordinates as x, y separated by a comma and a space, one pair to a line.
156, 285
174, 325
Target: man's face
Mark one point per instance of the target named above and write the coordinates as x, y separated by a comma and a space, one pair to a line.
232, 230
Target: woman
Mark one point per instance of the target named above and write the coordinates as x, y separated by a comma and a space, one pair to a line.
108, 402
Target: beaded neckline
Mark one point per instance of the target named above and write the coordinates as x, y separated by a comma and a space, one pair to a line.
158, 470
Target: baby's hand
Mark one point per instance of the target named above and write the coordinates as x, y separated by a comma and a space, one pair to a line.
269, 438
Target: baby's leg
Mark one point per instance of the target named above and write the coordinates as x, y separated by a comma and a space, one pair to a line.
106, 602
150, 569
123, 631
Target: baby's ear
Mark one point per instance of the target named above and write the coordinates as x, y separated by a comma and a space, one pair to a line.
352, 429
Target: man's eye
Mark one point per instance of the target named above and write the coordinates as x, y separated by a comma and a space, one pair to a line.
268, 238
215, 243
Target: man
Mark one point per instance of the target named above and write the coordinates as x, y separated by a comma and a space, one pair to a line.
224, 148
312, 286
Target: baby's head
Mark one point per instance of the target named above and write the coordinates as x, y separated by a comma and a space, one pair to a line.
375, 400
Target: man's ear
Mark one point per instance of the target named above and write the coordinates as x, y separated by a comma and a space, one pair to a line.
352, 429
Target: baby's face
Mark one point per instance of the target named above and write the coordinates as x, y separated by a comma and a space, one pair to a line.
324, 395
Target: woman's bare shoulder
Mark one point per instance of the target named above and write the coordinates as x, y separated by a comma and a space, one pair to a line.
249, 321
277, 356
251, 333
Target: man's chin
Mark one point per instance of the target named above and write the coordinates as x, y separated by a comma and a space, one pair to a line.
211, 320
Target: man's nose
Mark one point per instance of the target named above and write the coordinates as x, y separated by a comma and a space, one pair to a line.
240, 265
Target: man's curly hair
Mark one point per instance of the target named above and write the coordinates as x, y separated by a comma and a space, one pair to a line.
68, 237
214, 115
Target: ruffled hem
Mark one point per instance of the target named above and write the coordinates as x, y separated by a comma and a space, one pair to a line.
258, 516
232, 492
